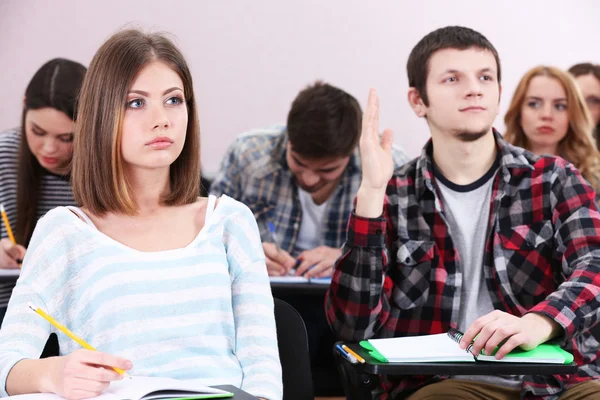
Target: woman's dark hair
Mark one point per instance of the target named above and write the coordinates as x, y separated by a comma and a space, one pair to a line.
55, 85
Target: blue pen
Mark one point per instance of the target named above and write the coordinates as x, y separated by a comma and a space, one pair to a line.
345, 354
272, 230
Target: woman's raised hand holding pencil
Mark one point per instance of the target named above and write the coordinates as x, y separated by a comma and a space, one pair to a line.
11, 253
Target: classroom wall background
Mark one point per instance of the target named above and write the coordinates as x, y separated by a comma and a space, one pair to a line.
250, 58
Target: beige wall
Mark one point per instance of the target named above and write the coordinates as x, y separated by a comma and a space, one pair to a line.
250, 58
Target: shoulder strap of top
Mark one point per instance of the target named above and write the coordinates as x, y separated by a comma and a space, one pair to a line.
83, 216
212, 200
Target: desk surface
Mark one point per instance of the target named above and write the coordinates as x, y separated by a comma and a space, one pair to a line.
238, 394
372, 366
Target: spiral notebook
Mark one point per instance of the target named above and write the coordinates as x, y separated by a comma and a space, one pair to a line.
150, 388
444, 347
147, 388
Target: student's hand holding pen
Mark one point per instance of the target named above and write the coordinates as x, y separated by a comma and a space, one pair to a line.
279, 262
85, 373
318, 262
79, 375
10, 254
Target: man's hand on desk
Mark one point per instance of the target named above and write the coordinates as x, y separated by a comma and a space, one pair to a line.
499, 327
318, 262
279, 262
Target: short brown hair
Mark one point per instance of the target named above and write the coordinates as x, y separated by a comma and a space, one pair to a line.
324, 121
585, 69
104, 188
450, 37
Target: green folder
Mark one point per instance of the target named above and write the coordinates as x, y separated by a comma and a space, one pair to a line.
544, 353
373, 351
202, 396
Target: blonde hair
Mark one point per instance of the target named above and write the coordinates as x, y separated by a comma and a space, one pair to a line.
98, 176
578, 146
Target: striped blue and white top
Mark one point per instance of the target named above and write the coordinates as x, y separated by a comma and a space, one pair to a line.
202, 312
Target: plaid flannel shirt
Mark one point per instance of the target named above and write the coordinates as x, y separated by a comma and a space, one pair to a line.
255, 172
400, 275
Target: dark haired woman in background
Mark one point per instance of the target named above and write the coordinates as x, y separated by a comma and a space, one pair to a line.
35, 159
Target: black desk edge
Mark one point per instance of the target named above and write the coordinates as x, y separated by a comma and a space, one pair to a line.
374, 367
309, 289
238, 394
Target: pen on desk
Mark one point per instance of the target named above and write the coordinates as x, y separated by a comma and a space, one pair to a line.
70, 334
346, 355
272, 230
353, 353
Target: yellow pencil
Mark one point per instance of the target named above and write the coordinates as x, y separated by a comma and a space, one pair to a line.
70, 334
7, 224
350, 351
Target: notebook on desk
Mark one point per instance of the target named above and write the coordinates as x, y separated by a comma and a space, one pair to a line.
299, 279
10, 272
444, 347
145, 388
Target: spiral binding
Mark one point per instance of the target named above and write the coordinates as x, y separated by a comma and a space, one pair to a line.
457, 336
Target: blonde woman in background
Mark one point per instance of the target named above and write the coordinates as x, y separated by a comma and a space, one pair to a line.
548, 116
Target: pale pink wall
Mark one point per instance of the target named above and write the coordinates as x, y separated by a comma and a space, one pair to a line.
250, 58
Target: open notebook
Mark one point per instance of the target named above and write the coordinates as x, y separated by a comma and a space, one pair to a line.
144, 388
299, 279
444, 347
9, 273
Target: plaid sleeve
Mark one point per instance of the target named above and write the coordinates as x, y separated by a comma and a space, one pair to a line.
575, 305
356, 306
227, 181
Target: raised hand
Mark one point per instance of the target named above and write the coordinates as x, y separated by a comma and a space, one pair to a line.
376, 159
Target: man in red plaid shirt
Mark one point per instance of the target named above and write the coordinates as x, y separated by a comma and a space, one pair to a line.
475, 234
